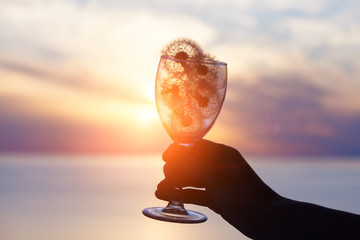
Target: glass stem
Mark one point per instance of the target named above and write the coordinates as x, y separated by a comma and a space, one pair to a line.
176, 204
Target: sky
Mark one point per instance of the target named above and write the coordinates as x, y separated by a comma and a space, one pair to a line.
78, 76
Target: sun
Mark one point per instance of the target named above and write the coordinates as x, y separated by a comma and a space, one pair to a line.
146, 115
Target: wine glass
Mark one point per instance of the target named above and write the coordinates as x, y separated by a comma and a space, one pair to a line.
189, 94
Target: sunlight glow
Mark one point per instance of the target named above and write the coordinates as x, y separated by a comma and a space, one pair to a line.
149, 91
146, 115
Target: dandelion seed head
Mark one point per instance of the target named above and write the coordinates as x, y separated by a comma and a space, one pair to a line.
185, 49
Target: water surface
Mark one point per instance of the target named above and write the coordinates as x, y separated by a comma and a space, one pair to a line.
101, 197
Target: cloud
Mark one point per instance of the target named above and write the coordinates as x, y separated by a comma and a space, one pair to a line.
116, 47
288, 114
85, 70
91, 129
317, 32
81, 83
309, 7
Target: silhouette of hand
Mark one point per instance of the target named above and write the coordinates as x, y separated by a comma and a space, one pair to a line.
229, 185
231, 188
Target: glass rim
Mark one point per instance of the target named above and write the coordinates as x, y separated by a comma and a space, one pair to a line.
208, 62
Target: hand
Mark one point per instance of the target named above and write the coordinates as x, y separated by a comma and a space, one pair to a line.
232, 188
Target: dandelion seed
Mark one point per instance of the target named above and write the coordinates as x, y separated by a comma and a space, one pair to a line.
182, 55
185, 48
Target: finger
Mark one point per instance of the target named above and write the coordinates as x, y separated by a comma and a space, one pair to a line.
177, 177
169, 152
184, 164
194, 196
165, 190
206, 162
211, 153
217, 155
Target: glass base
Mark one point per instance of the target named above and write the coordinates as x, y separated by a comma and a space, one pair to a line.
163, 214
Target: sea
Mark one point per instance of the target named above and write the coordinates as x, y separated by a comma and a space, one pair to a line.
78, 197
